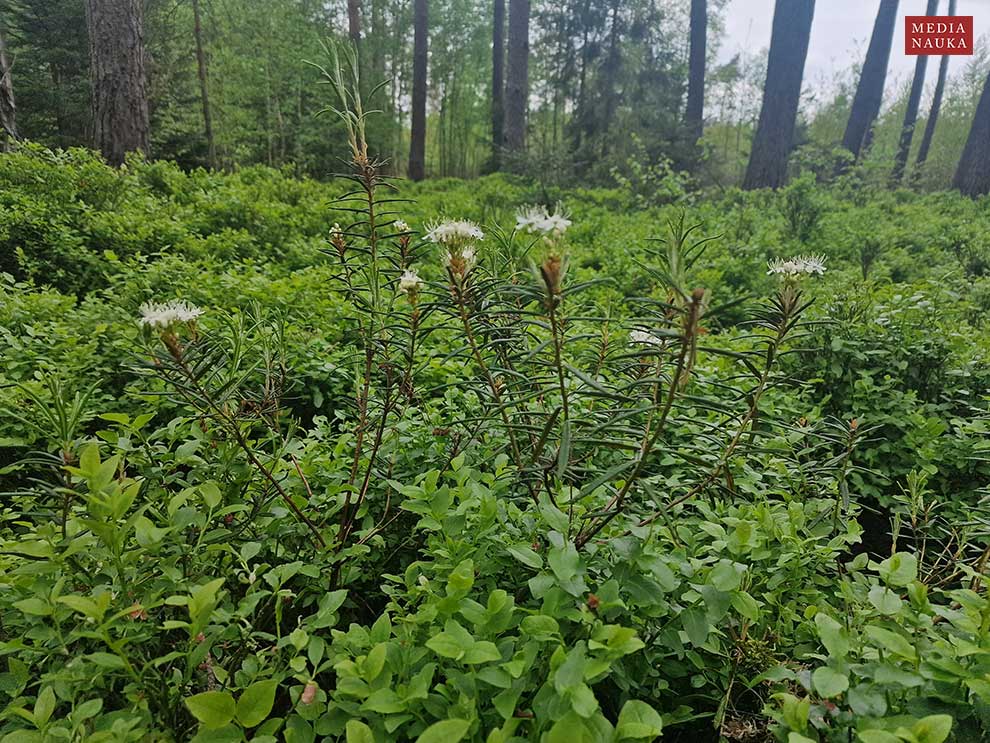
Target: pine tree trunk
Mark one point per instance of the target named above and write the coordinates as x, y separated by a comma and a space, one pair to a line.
517, 84
914, 102
943, 72
204, 91
8, 109
785, 71
611, 74
417, 143
694, 113
869, 92
973, 173
354, 21
498, 82
117, 69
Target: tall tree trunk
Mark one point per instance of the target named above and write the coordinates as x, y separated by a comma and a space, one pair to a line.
781, 94
973, 173
611, 75
943, 71
914, 101
694, 113
498, 82
117, 68
517, 87
354, 21
204, 91
869, 92
417, 143
8, 110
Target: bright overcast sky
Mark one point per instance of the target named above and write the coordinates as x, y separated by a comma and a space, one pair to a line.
840, 33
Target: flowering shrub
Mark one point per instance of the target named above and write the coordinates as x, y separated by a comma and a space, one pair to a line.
503, 479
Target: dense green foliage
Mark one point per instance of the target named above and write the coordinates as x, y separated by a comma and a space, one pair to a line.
556, 495
607, 79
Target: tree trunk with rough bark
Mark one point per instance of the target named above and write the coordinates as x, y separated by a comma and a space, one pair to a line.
694, 113
914, 102
117, 68
517, 83
973, 173
781, 94
204, 89
498, 82
8, 109
943, 72
354, 21
869, 91
417, 143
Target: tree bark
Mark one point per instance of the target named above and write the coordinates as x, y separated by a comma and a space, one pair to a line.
785, 71
943, 71
498, 82
417, 143
117, 69
517, 87
869, 92
204, 91
973, 173
610, 75
354, 21
8, 109
914, 102
694, 113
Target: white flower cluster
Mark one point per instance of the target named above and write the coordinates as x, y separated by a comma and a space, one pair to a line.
400, 226
641, 336
802, 264
454, 233
538, 221
409, 282
165, 315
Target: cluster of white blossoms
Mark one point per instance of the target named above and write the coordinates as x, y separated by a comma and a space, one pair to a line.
537, 220
166, 315
641, 336
453, 233
409, 282
802, 264
400, 226
458, 236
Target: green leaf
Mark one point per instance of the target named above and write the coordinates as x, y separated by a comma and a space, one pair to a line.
899, 569
453, 642
833, 635
638, 721
526, 556
565, 562
884, 600
34, 606
44, 706
447, 731
877, 736
932, 729
695, 623
461, 579
829, 682
212, 708
892, 642
555, 518
375, 661
256, 703
86, 607
358, 732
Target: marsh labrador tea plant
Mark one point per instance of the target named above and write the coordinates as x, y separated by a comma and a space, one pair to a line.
537, 509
